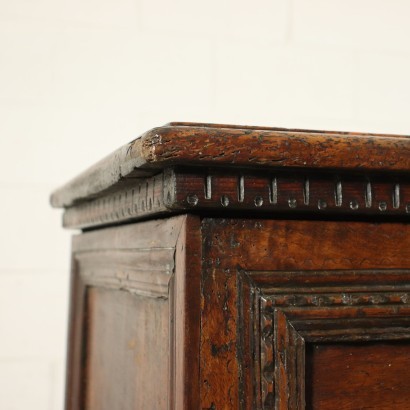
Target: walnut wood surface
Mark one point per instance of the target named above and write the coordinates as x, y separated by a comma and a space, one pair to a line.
286, 287
134, 305
273, 192
185, 313
271, 287
224, 145
127, 365
358, 376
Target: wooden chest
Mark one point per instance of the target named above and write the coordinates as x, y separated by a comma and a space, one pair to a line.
225, 267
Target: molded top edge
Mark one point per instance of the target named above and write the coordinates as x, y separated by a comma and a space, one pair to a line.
197, 144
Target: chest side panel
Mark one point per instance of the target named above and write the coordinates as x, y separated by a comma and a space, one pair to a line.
123, 325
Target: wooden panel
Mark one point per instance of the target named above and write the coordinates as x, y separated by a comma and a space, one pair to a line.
305, 245
127, 365
357, 376
271, 286
134, 317
135, 236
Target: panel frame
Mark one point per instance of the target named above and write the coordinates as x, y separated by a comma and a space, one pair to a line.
244, 258
287, 316
96, 262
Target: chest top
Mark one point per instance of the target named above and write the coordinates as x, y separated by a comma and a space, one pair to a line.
204, 168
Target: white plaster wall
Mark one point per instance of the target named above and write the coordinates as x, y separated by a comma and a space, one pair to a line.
78, 78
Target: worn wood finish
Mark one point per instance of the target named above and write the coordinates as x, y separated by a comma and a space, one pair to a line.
284, 284
142, 198
275, 193
136, 299
116, 260
306, 245
127, 365
274, 148
270, 287
378, 375
75, 380
278, 191
187, 286
209, 145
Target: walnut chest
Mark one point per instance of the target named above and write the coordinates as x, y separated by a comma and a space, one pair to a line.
228, 267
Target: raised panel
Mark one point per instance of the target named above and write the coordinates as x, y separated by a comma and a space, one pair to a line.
308, 313
128, 357
345, 376
271, 289
134, 295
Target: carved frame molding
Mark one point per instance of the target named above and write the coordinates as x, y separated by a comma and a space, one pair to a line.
228, 189
285, 320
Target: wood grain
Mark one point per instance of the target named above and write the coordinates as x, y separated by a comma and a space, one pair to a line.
187, 305
358, 376
232, 146
125, 316
303, 281
274, 148
286, 287
265, 193
75, 380
128, 362
260, 244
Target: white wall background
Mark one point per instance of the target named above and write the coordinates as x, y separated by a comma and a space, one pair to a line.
78, 78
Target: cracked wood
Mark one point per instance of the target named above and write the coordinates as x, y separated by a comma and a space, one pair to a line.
235, 146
